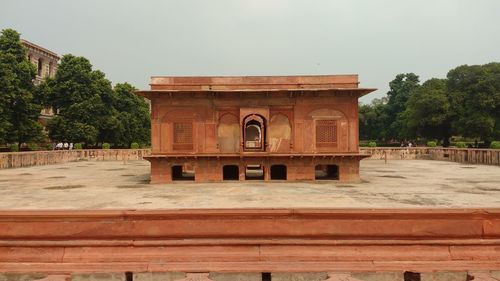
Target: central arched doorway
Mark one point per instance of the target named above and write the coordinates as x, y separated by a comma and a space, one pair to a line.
254, 133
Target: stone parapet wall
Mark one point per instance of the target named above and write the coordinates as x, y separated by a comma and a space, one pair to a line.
460, 155
396, 153
467, 155
245, 244
39, 158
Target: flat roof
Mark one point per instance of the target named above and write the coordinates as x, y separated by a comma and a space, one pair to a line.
115, 185
255, 84
317, 80
357, 91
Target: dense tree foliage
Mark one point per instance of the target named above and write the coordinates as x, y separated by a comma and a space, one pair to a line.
428, 113
90, 110
465, 104
82, 98
133, 115
373, 119
384, 118
18, 111
400, 91
475, 98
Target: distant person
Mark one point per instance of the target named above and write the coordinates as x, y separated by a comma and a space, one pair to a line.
59, 146
70, 146
66, 145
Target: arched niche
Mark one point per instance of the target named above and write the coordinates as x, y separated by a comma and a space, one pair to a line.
254, 133
329, 130
280, 132
228, 133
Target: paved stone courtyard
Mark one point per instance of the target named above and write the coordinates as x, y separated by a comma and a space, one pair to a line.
106, 185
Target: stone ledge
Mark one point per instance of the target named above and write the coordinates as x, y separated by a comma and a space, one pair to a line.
249, 240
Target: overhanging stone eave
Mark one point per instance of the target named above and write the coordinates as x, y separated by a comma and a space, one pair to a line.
257, 155
358, 91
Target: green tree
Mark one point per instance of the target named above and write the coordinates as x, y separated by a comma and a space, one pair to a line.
372, 120
84, 101
18, 112
428, 112
133, 115
400, 91
89, 110
475, 99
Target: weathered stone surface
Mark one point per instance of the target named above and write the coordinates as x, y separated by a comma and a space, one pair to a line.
300, 276
495, 274
484, 276
98, 277
21, 277
235, 276
341, 277
443, 276
368, 276
33, 277
195, 277
158, 276
66, 186
379, 276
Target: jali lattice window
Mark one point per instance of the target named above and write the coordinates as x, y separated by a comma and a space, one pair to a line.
326, 133
183, 136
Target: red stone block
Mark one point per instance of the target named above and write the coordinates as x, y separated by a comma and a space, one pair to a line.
31, 254
354, 253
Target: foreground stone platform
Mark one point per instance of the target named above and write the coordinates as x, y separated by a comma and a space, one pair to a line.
115, 185
251, 240
408, 220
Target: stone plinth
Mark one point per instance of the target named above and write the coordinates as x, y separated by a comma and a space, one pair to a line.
276, 241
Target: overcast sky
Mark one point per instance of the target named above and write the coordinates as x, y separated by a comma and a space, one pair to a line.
133, 40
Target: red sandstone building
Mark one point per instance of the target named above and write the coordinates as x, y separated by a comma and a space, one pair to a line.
266, 128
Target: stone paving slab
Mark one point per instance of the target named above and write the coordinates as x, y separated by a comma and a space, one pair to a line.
116, 185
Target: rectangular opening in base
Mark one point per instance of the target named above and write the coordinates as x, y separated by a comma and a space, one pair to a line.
411, 276
230, 173
278, 172
326, 172
254, 172
183, 173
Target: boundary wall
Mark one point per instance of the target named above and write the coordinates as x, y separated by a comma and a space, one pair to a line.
38, 158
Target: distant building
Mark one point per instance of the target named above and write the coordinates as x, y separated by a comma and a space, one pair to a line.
46, 64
